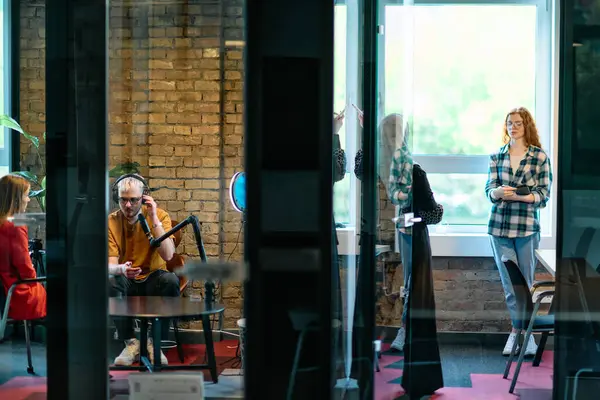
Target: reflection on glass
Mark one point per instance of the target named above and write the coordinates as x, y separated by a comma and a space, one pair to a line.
578, 375
4, 93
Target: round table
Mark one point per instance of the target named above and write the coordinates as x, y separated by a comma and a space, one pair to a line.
155, 309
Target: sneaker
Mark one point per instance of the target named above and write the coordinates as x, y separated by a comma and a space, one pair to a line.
130, 353
509, 344
398, 343
163, 358
531, 348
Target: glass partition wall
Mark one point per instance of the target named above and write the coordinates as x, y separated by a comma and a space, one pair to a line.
449, 88
175, 82
176, 119
151, 88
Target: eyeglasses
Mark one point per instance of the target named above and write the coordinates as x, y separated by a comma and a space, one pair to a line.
518, 124
133, 200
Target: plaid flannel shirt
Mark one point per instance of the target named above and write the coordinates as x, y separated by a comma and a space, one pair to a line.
512, 219
400, 182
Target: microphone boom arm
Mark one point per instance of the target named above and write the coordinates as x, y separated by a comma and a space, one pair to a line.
191, 220
209, 286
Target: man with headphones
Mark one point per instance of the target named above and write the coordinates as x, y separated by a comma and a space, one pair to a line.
138, 269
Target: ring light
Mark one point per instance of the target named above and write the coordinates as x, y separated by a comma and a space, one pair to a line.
237, 191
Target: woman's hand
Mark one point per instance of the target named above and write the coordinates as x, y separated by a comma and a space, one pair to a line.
504, 193
338, 121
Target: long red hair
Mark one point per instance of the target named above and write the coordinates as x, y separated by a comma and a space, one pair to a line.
531, 133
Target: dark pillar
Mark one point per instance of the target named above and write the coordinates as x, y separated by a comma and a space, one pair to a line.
77, 202
288, 243
14, 76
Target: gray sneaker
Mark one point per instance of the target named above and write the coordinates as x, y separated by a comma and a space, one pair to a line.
398, 343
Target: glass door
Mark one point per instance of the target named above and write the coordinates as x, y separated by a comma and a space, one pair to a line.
377, 222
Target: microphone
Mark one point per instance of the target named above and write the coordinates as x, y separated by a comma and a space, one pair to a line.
146, 228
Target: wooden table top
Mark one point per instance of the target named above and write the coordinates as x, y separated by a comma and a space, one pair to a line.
160, 307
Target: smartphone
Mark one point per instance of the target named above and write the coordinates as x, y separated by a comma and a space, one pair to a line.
146, 192
341, 113
523, 190
358, 110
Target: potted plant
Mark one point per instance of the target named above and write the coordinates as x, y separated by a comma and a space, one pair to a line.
38, 183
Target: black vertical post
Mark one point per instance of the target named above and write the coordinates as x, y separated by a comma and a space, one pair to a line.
15, 77
77, 201
288, 244
365, 297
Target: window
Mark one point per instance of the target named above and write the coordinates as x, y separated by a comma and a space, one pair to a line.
346, 202
455, 82
5, 148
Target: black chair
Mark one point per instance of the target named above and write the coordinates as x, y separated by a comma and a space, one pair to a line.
27, 324
527, 319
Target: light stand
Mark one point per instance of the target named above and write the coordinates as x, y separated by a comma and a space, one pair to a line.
209, 286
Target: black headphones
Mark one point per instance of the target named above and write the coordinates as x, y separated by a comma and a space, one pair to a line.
115, 185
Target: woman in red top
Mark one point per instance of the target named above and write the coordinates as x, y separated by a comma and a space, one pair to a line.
28, 300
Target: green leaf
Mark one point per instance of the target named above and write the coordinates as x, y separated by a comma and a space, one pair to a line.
8, 122
29, 176
37, 193
33, 139
43, 197
124, 168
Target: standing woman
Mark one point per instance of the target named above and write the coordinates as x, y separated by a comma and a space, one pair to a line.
514, 225
28, 300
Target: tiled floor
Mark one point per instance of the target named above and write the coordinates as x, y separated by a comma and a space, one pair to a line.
471, 372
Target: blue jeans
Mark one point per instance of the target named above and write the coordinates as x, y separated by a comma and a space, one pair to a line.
522, 252
406, 258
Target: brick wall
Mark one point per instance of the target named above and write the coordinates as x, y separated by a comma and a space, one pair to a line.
33, 84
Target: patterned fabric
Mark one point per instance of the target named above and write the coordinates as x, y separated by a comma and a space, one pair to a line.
339, 158
433, 217
399, 190
512, 219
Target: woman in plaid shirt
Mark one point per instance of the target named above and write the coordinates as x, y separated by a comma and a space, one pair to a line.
514, 225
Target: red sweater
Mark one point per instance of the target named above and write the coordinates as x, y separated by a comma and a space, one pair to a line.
28, 300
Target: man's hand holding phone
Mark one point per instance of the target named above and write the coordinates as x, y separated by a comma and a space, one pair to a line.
129, 271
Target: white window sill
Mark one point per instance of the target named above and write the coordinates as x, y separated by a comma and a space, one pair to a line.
442, 245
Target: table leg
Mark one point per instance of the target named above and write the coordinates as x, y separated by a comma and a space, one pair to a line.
210, 348
144, 344
156, 338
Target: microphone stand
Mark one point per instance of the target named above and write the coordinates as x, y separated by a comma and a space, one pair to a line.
209, 286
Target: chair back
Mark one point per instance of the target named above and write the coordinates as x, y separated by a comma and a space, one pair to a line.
178, 260
178, 235
522, 296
